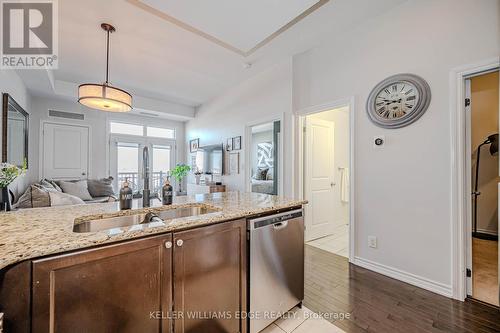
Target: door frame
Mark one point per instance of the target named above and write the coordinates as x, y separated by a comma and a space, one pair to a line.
460, 222
248, 134
300, 116
63, 123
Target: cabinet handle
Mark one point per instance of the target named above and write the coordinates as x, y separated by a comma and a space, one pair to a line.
180, 242
168, 245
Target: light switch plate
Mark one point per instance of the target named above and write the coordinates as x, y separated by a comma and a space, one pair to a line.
372, 242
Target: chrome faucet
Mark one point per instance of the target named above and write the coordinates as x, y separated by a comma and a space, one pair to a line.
146, 193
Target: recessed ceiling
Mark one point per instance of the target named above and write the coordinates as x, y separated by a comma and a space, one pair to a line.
159, 60
239, 25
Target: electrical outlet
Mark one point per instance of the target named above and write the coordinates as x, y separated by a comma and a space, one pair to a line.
372, 242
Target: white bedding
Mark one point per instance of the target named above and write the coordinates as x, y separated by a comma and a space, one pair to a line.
262, 186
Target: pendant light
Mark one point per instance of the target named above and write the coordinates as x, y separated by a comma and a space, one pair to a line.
104, 96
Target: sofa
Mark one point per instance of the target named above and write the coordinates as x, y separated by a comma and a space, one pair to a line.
49, 193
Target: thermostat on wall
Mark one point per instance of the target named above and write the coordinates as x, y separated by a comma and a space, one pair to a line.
378, 141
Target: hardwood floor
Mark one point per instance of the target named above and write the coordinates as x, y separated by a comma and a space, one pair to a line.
372, 302
485, 270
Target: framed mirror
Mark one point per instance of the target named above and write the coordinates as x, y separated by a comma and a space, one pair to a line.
15, 126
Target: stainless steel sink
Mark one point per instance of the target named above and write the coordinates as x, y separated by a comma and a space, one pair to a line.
158, 218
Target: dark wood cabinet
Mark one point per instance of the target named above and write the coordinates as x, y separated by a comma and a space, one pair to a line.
209, 275
114, 288
192, 281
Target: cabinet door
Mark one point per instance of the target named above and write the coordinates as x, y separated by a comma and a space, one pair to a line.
117, 288
210, 279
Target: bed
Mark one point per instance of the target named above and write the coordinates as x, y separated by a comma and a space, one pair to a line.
263, 186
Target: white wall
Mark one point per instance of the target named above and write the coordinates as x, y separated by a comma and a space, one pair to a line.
12, 84
261, 98
403, 190
340, 118
97, 120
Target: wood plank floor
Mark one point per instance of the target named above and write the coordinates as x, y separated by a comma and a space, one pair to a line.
376, 303
485, 270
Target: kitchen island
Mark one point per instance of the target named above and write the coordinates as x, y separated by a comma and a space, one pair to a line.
188, 274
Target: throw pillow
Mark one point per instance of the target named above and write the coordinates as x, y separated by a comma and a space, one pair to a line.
78, 189
64, 199
35, 196
101, 187
47, 185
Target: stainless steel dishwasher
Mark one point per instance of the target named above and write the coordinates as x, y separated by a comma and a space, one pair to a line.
276, 266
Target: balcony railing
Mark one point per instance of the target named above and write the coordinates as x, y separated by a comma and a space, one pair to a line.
135, 183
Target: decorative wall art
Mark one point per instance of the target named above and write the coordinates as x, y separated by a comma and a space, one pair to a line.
237, 143
265, 152
234, 163
194, 145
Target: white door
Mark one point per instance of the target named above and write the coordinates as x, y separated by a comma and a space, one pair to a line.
65, 151
319, 178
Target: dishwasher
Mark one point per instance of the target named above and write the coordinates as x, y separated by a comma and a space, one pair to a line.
276, 269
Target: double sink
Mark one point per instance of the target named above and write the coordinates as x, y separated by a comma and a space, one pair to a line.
141, 221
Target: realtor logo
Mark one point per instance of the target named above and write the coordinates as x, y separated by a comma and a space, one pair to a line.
29, 34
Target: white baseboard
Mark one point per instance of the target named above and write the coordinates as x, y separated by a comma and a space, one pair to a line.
424, 283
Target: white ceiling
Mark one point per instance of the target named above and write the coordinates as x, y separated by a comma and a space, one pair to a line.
239, 23
162, 61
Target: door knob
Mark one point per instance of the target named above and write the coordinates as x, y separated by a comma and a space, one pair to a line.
168, 245
180, 242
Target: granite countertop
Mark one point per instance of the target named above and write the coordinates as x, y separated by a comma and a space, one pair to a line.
37, 232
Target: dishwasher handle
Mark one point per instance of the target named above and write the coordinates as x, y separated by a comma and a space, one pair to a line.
280, 225
279, 220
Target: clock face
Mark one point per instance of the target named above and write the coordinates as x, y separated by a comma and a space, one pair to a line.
398, 101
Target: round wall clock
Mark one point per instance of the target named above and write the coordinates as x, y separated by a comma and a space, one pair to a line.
398, 101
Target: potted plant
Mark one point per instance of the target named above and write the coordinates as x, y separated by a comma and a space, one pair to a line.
8, 173
179, 172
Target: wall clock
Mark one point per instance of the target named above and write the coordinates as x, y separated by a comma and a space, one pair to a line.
398, 101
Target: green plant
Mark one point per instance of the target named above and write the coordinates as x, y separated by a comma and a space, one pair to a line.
180, 171
9, 172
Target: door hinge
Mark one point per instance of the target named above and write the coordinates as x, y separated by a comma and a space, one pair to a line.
468, 272
467, 102
305, 129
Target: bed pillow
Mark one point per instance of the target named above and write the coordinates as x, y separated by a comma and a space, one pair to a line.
270, 174
101, 187
78, 189
261, 174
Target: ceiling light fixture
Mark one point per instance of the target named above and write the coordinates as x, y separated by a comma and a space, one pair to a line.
104, 96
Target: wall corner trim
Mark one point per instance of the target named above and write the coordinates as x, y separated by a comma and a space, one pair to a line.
415, 280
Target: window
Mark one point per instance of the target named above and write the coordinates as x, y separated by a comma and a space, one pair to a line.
158, 132
130, 129
128, 164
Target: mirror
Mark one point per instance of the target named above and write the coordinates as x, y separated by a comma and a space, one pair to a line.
14, 132
265, 158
